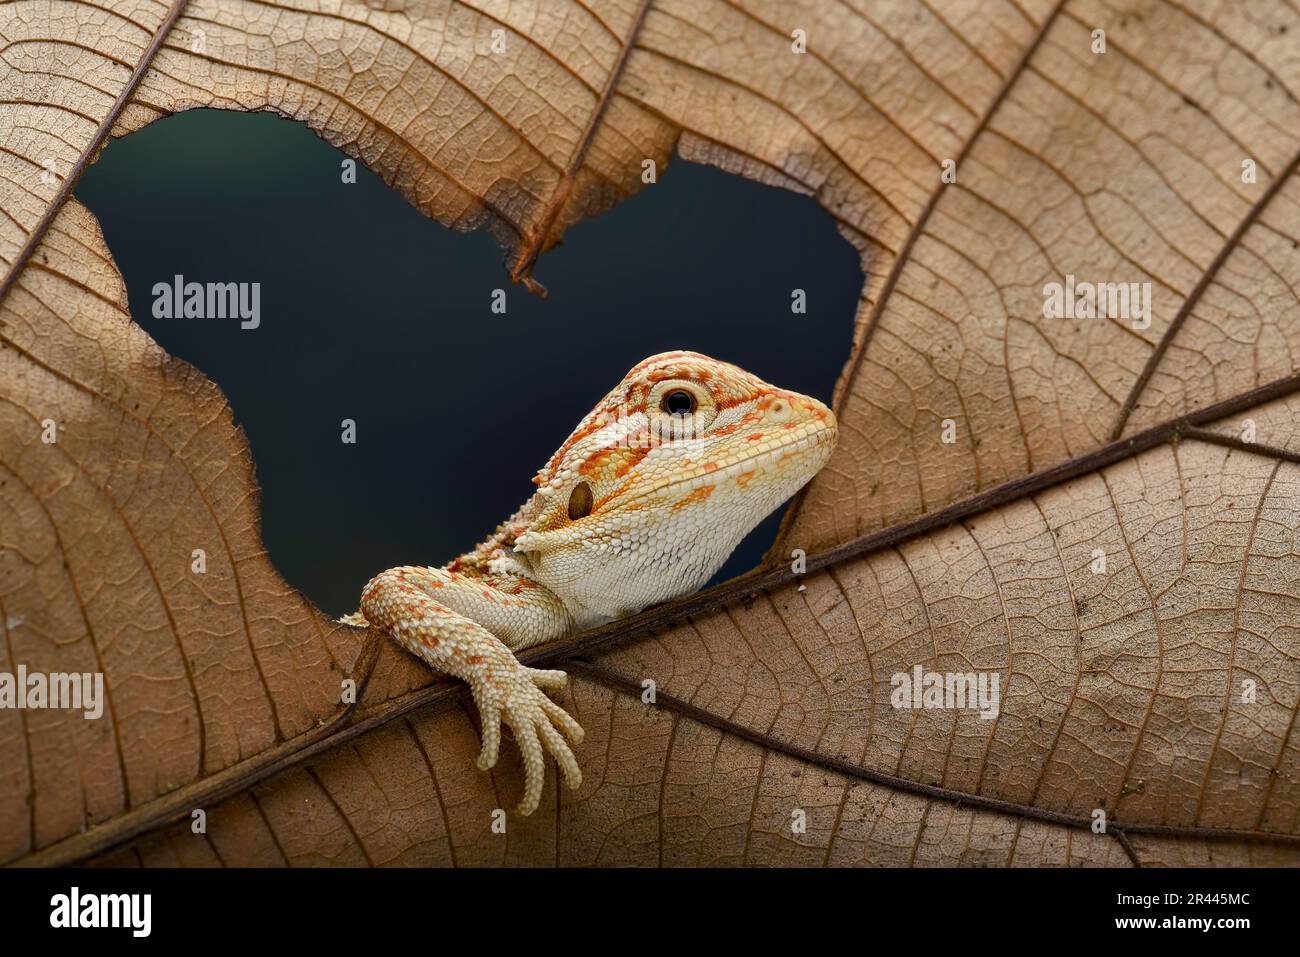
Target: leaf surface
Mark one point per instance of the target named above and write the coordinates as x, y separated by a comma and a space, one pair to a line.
1121, 691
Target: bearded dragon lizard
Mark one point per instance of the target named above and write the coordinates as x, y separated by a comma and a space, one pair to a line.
643, 502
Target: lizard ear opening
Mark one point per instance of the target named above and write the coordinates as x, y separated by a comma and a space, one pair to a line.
580, 501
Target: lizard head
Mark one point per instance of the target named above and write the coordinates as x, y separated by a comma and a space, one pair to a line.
662, 479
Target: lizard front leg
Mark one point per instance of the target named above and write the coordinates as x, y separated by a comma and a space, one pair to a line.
400, 601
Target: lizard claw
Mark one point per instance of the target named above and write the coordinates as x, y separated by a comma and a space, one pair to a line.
534, 719
487, 758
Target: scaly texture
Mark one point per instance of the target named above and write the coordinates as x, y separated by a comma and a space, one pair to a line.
644, 502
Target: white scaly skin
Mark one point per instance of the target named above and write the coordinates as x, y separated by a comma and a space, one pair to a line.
644, 502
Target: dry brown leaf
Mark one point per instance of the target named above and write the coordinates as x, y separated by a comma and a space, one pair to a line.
1120, 689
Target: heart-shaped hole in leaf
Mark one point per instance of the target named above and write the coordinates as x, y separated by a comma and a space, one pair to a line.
394, 416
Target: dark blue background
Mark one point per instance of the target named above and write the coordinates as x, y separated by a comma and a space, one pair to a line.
373, 312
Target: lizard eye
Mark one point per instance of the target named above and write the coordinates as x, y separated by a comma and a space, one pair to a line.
678, 402
580, 501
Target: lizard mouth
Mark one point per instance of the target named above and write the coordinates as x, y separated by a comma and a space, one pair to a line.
808, 436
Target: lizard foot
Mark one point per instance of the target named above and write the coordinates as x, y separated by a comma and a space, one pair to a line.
536, 721
356, 620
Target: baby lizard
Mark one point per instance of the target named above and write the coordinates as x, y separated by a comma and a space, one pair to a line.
642, 503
